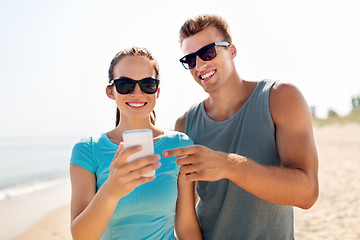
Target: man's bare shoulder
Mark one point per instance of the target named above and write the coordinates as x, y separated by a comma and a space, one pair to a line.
282, 91
286, 101
282, 86
180, 123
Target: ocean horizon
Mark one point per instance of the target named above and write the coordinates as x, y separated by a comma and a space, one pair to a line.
31, 163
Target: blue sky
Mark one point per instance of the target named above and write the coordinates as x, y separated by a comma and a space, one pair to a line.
54, 56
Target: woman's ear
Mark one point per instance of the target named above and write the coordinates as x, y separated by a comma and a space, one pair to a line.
158, 92
110, 92
233, 50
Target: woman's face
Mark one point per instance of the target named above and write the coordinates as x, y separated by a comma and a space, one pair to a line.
137, 104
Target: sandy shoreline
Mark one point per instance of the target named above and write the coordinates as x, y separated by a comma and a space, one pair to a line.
56, 225
334, 216
21, 213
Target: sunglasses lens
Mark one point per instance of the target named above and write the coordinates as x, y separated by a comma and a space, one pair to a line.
208, 53
189, 61
149, 85
124, 86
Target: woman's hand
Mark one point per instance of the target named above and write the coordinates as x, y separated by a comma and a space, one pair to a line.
124, 176
91, 210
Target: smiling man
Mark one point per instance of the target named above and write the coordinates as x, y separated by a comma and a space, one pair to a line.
255, 156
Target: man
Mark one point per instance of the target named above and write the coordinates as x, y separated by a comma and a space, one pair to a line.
256, 156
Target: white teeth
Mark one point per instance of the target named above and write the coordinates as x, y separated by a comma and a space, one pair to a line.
136, 104
207, 75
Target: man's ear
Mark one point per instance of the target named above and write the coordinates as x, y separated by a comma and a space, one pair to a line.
110, 92
233, 50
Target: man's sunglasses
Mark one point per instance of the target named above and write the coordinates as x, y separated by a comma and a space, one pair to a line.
126, 85
205, 53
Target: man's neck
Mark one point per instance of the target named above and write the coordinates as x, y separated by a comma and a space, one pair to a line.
229, 99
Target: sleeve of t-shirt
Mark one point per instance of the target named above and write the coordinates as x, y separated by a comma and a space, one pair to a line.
185, 140
82, 155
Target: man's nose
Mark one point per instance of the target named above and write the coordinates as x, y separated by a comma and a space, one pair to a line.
200, 64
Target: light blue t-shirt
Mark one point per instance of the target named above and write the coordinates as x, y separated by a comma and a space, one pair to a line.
148, 211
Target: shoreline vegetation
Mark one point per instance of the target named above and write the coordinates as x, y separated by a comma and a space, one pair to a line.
333, 118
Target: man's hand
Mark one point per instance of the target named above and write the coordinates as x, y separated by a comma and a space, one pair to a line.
199, 163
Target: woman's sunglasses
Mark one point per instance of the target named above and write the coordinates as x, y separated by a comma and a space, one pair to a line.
126, 85
205, 53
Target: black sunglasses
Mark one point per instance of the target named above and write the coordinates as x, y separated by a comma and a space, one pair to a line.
126, 85
205, 53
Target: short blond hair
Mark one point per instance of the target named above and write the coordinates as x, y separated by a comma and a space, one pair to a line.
200, 22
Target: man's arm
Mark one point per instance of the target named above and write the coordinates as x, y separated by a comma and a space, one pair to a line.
295, 183
180, 123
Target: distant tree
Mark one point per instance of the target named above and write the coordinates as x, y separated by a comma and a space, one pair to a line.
356, 102
332, 113
313, 111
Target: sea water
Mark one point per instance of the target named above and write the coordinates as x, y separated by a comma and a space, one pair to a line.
30, 163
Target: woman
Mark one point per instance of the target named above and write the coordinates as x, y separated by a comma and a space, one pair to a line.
111, 199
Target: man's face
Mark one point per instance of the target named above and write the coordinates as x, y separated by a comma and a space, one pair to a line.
209, 74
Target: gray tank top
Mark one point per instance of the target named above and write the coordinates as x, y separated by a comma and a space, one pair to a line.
226, 211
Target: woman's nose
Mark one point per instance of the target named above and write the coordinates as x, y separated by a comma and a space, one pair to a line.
137, 90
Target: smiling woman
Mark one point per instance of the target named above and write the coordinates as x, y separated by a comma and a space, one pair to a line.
103, 175
127, 85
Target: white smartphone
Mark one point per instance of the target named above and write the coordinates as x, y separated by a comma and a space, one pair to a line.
143, 137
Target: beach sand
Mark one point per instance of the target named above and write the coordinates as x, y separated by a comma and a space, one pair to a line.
22, 213
56, 225
334, 216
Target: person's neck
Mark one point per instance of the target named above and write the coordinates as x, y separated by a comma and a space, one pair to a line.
115, 135
228, 99
132, 124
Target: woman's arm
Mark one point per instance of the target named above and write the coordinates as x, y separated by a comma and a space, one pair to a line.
90, 210
186, 222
